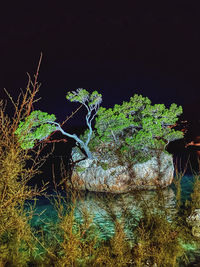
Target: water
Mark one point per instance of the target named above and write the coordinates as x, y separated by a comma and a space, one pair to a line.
104, 207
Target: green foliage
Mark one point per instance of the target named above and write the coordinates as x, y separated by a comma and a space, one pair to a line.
133, 129
37, 126
80, 97
137, 127
83, 96
110, 123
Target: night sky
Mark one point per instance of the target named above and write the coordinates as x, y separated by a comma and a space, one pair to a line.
117, 49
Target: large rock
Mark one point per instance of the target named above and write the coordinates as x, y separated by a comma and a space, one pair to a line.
104, 175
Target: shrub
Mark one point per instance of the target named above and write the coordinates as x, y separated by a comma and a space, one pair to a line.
17, 243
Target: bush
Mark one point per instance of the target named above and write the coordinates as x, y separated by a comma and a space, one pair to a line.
17, 242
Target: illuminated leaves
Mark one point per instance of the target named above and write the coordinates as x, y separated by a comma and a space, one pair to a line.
138, 125
84, 97
39, 125
80, 95
36, 127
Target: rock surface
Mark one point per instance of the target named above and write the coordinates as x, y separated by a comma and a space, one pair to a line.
104, 175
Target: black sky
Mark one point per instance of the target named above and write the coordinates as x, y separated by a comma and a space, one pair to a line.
118, 49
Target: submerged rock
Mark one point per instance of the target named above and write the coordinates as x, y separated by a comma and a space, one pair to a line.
107, 175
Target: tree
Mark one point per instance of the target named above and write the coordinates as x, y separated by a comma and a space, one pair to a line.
137, 126
39, 125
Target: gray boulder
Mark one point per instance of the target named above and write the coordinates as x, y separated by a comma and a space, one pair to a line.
107, 175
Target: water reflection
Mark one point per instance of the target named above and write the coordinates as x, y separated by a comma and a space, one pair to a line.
105, 208
127, 208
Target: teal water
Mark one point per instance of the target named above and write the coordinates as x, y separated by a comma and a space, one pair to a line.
104, 207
